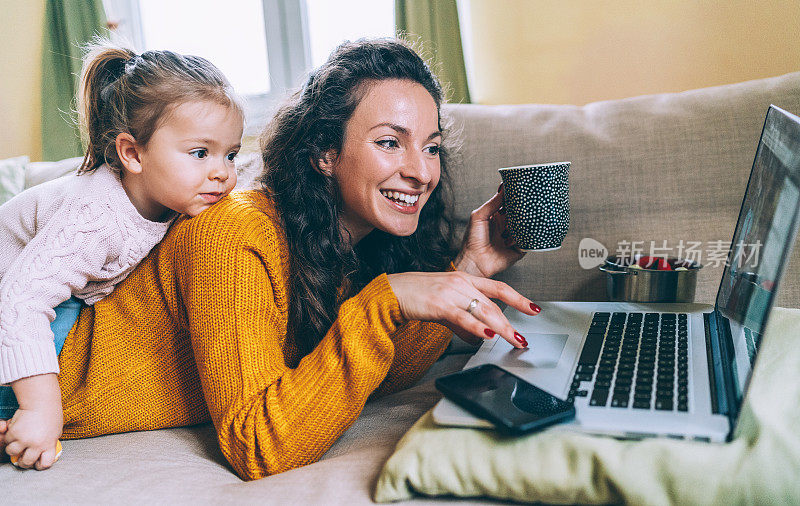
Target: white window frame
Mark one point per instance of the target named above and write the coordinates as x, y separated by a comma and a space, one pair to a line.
288, 50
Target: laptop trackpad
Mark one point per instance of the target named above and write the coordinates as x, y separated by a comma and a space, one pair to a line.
543, 351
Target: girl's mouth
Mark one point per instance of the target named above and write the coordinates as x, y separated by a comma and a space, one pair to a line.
211, 198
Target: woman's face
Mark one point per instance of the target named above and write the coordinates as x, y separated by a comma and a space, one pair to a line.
389, 163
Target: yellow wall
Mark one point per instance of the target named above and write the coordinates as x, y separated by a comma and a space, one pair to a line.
545, 51
20, 73
579, 51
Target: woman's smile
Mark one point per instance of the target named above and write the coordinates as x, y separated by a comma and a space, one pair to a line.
403, 202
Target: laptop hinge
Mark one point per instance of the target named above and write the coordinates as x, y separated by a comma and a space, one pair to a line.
727, 356
719, 402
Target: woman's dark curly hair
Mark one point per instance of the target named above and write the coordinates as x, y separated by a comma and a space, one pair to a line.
310, 125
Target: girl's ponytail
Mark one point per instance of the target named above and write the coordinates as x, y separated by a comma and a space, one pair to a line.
100, 112
122, 92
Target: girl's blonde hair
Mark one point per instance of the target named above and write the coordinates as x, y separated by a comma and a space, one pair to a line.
124, 92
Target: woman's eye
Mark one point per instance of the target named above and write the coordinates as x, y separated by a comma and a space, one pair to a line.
199, 153
232, 156
433, 150
387, 143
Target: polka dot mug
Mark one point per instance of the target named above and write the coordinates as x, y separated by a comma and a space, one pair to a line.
536, 200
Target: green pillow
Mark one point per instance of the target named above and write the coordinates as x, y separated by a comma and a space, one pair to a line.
761, 465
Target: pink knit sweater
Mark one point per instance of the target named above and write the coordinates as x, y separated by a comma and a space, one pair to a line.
76, 235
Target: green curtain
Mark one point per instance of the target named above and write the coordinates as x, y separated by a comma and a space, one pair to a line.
435, 24
68, 25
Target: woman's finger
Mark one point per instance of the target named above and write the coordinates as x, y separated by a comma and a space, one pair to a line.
499, 290
469, 323
475, 303
490, 207
488, 312
501, 221
512, 245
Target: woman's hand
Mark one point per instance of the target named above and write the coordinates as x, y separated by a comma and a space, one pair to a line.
447, 298
488, 247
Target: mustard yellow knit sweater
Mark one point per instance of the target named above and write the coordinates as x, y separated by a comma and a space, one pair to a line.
199, 331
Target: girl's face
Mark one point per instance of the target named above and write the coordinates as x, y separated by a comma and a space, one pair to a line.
187, 165
389, 163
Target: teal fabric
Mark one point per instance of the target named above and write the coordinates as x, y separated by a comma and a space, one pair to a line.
68, 25
760, 466
435, 24
66, 315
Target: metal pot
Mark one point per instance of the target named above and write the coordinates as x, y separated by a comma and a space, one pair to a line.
625, 283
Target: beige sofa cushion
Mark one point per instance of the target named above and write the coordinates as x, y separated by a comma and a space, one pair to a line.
663, 167
40, 172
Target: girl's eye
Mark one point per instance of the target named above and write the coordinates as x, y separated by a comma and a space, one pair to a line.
232, 156
387, 143
433, 150
199, 153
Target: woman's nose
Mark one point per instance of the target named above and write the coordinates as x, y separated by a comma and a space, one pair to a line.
416, 166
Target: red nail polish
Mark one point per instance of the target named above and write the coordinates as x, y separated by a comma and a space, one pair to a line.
534, 307
521, 339
489, 332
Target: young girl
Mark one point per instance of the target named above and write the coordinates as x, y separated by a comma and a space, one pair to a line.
163, 130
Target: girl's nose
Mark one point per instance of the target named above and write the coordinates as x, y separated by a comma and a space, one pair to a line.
220, 172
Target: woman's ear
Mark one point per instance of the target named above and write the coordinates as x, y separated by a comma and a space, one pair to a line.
129, 152
326, 162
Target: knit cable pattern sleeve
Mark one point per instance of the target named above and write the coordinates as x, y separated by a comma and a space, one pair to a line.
61, 258
270, 417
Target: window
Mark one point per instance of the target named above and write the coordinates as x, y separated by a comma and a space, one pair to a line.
264, 47
331, 22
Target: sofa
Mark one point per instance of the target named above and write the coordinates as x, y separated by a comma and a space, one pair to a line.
669, 167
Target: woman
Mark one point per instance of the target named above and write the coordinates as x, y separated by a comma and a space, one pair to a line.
278, 312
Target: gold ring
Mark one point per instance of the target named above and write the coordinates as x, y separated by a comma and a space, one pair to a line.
472, 305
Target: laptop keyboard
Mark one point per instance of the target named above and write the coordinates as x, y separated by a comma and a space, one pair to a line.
637, 360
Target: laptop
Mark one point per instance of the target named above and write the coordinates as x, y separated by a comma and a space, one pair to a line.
636, 370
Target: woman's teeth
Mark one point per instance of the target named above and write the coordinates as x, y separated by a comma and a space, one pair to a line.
403, 199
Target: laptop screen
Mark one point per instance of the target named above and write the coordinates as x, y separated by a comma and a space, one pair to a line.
761, 245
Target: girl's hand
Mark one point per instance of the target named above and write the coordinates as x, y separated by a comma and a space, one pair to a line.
3, 429
447, 298
31, 435
487, 247
32, 438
